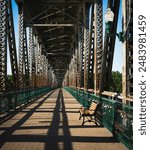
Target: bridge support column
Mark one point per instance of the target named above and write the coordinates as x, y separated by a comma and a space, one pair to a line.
127, 71
98, 45
3, 45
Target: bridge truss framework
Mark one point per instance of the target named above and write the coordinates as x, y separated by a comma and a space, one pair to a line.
61, 43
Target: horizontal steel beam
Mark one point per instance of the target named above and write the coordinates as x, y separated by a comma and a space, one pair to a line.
54, 25
57, 50
58, 37
57, 53
57, 69
54, 45
58, 3
54, 13
52, 29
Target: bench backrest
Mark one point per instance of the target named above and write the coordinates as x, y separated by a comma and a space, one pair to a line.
93, 107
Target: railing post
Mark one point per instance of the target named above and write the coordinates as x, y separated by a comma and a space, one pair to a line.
114, 120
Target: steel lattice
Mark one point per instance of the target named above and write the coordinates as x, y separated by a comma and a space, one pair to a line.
32, 58
90, 80
38, 62
25, 57
36, 47
80, 72
81, 58
99, 42
31, 46
86, 47
129, 50
21, 42
3, 45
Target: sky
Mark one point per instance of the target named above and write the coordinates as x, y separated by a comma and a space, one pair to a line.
117, 61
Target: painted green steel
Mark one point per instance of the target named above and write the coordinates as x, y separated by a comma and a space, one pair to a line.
11, 100
114, 115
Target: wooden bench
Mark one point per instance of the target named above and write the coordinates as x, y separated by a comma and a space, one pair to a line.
89, 113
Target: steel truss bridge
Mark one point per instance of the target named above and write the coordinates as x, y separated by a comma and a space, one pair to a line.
63, 43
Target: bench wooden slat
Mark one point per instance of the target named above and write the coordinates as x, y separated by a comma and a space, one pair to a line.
88, 112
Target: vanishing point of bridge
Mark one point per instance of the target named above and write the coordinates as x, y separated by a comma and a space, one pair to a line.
61, 59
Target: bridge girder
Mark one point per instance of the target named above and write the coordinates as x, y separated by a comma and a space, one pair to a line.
65, 42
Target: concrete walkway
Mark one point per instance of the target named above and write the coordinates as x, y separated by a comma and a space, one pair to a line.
52, 123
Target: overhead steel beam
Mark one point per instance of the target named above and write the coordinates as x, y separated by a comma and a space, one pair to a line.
54, 25
69, 41
57, 53
56, 34
58, 3
51, 51
59, 37
46, 16
39, 14
73, 18
63, 49
52, 29
57, 45
57, 69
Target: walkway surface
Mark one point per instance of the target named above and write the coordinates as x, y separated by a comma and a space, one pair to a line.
52, 123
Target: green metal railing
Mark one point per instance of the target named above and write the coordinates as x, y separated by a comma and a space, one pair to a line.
11, 100
112, 114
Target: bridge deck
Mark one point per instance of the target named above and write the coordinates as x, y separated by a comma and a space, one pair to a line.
52, 122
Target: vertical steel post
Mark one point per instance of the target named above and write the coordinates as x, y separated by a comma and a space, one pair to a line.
86, 45
3, 45
25, 58
23, 50
124, 74
31, 57
127, 70
90, 78
36, 61
98, 45
81, 53
78, 59
38, 64
21, 41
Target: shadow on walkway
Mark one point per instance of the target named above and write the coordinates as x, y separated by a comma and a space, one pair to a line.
11, 114
53, 133
4, 137
58, 135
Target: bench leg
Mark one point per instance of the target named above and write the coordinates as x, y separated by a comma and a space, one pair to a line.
87, 119
80, 116
83, 121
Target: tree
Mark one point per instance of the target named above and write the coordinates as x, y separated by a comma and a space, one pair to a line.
9, 83
116, 82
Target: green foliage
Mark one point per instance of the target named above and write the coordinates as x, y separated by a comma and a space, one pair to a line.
9, 83
116, 82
